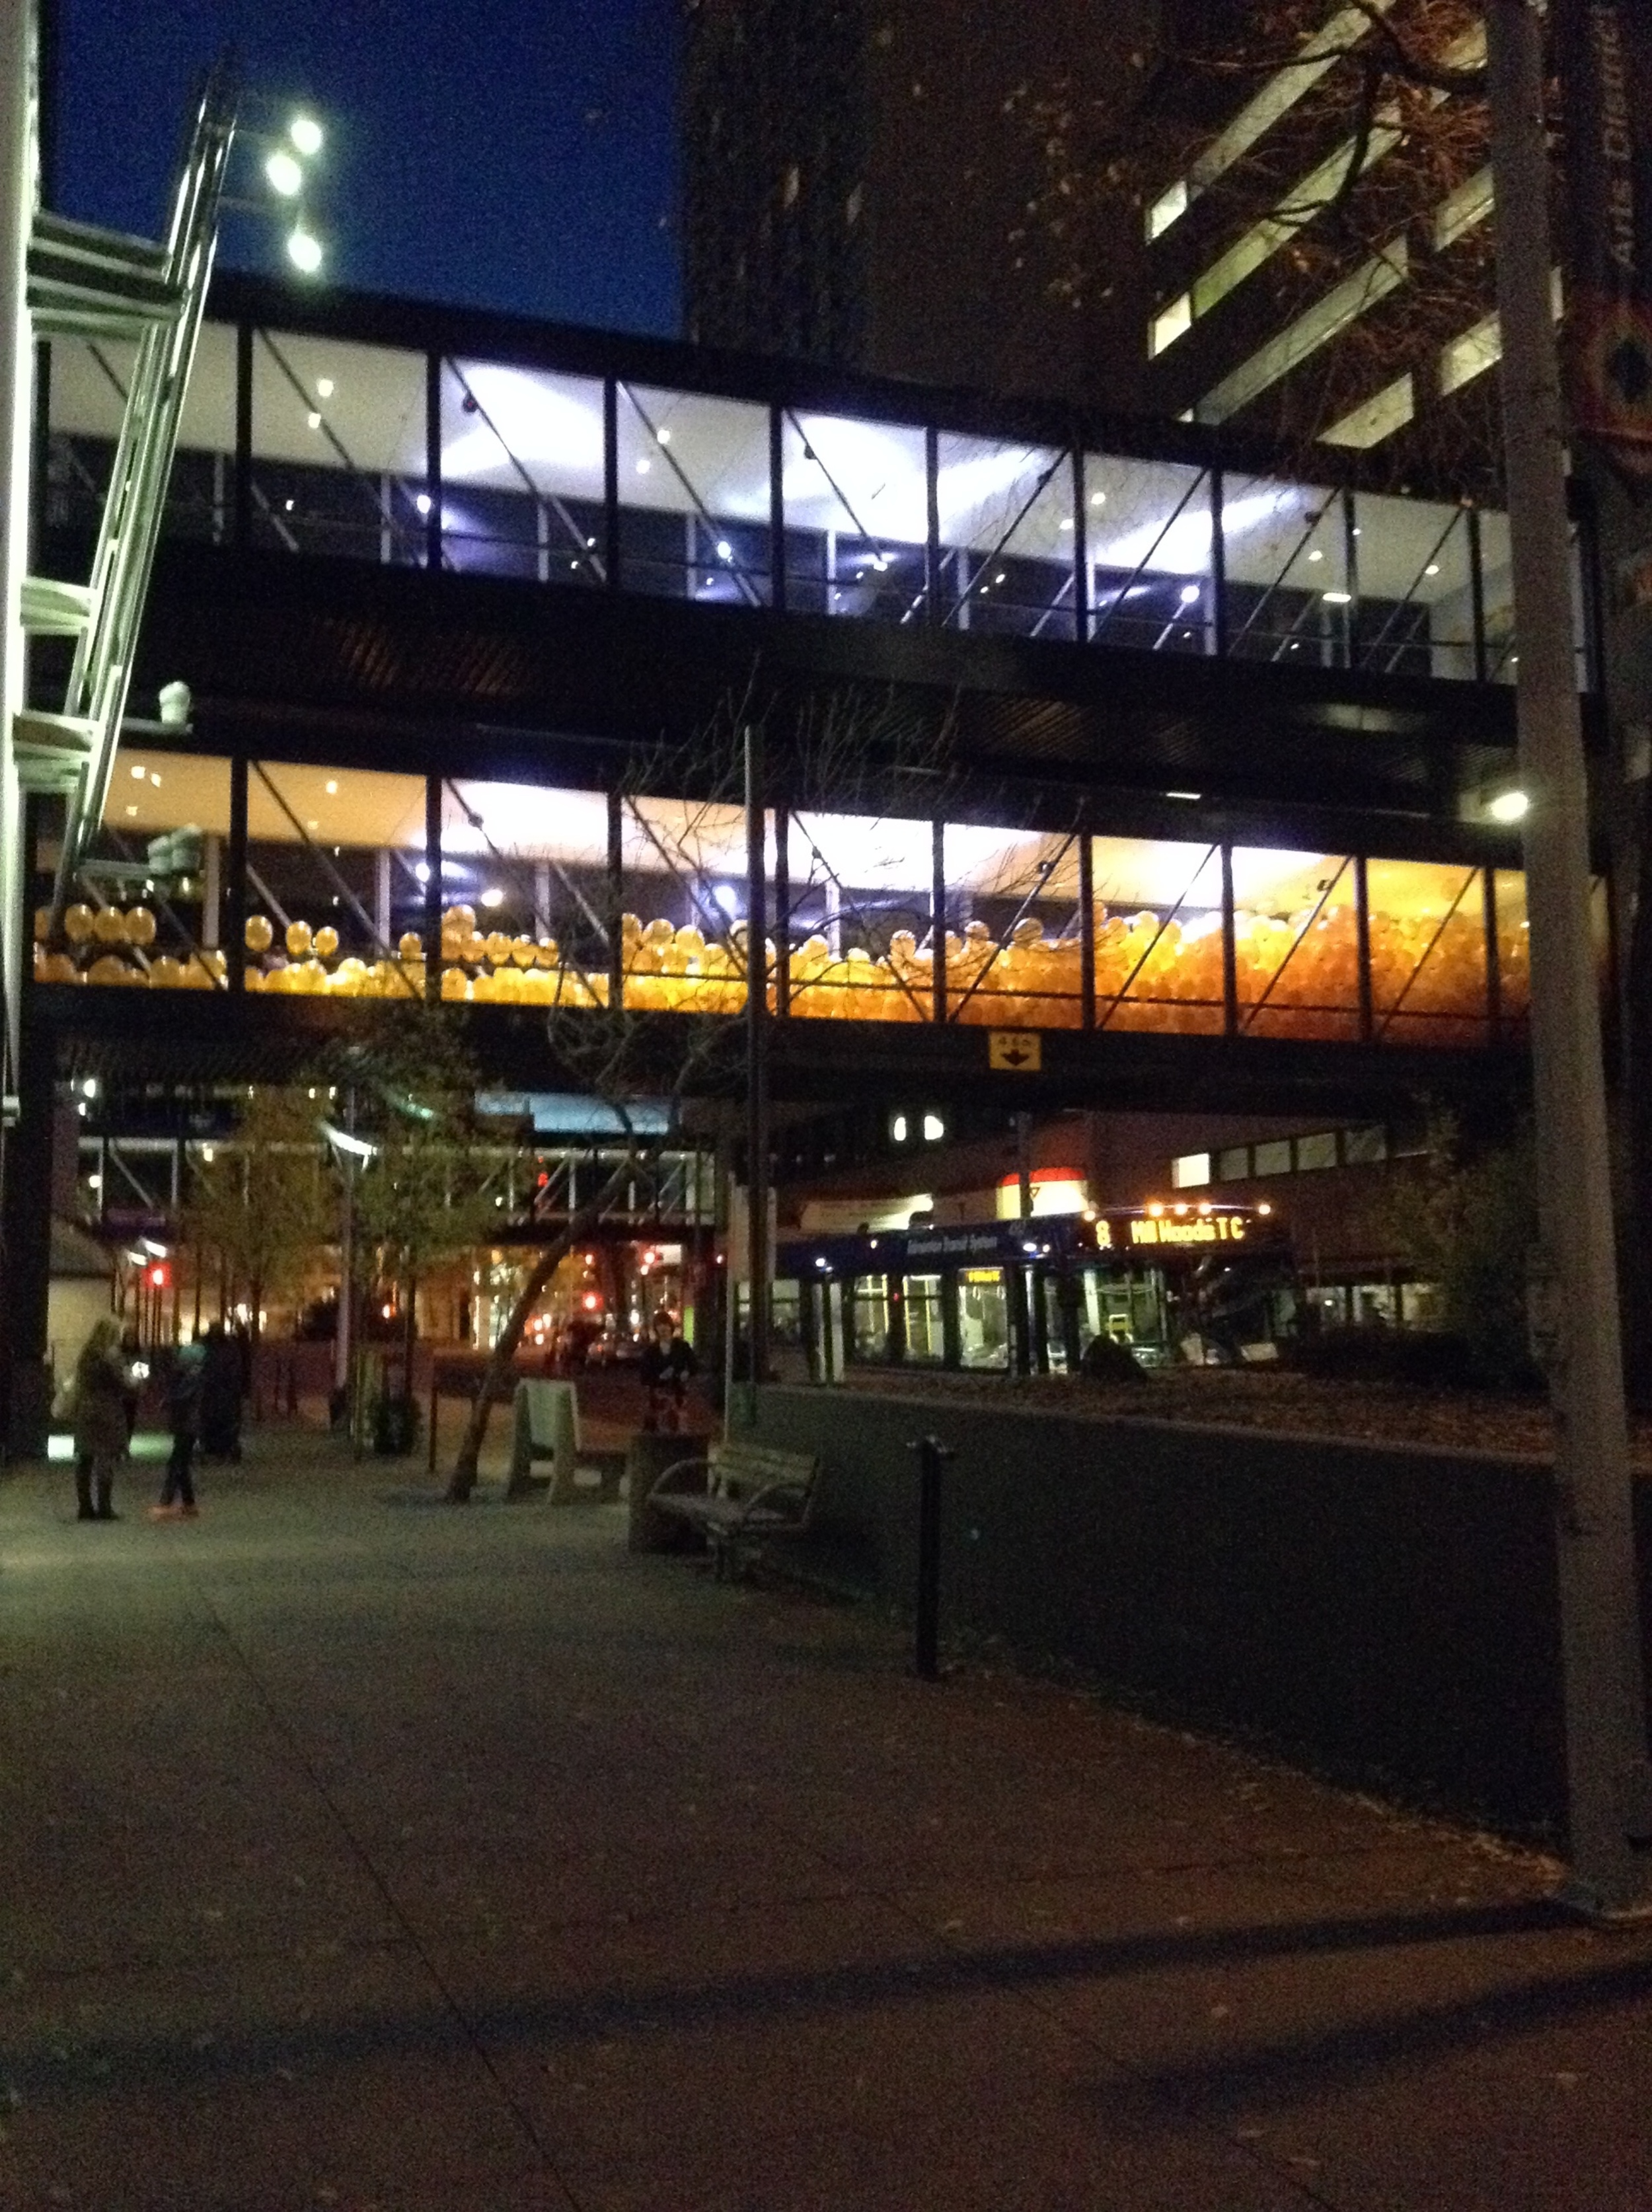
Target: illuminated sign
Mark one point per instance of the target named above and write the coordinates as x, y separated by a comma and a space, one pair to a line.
1211, 1229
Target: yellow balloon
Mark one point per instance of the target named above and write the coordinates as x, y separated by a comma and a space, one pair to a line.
166, 974
108, 969
78, 924
326, 941
260, 932
455, 984
410, 945
298, 938
140, 926
109, 926
523, 951
499, 948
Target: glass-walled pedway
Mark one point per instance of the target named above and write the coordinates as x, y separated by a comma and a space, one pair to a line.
310, 444
264, 876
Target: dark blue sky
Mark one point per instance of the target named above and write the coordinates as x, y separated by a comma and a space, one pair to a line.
514, 153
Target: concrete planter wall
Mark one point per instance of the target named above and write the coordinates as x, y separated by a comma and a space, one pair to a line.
1390, 1615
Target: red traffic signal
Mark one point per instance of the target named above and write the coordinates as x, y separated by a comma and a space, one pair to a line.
158, 1276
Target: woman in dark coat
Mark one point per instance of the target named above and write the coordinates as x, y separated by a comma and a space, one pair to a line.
103, 1384
221, 1382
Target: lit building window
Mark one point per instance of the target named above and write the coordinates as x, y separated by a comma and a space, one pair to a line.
1460, 211
1190, 1172
1374, 419
1470, 355
1171, 324
1167, 208
1343, 305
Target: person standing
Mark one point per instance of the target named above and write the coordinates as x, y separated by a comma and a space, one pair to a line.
221, 1379
103, 1386
666, 1364
184, 1409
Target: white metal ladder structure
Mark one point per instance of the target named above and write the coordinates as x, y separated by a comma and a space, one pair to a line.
91, 283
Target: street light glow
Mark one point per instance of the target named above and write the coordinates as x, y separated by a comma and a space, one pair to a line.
1509, 807
304, 251
283, 173
305, 134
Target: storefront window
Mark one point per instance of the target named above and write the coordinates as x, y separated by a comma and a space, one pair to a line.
1006, 532
1428, 952
145, 908
1158, 935
527, 905
1147, 539
1295, 944
694, 497
857, 526
686, 895
338, 448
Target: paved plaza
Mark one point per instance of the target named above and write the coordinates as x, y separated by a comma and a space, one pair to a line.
363, 1852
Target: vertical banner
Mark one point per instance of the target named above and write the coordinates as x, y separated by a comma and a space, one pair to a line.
1603, 51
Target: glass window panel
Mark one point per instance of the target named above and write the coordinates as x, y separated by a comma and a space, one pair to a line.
1513, 946
1147, 539
1285, 551
926, 1336
145, 907
1006, 534
857, 509
522, 472
89, 381
1318, 1150
1295, 944
1234, 1164
524, 895
1273, 1157
1365, 1147
686, 895
869, 1316
860, 928
1158, 935
1190, 1172
338, 447
694, 497
983, 1318
1416, 606
1497, 585
1428, 952
334, 903
1013, 956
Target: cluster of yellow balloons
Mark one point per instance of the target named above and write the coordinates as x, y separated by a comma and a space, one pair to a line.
1297, 975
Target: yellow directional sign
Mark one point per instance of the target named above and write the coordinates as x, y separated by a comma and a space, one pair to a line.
1017, 1052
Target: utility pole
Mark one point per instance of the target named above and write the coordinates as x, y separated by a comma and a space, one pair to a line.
1575, 1281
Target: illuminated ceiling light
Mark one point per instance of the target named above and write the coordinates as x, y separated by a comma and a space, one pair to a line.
313, 420
1432, 569
998, 579
131, 810
421, 873
934, 1127
1509, 807
323, 387
154, 778
333, 786
138, 775
724, 551
312, 825
422, 503
304, 251
1189, 593
1098, 499
282, 174
305, 134
1066, 522
662, 437
643, 467
1337, 599
493, 895
1316, 555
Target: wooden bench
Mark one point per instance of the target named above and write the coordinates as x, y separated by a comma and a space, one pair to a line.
740, 1495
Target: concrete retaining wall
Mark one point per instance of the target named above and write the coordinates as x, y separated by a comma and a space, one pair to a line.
1390, 1615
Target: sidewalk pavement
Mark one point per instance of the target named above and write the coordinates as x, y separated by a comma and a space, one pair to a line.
361, 1851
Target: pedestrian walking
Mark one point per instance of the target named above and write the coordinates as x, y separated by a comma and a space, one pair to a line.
183, 1411
103, 1387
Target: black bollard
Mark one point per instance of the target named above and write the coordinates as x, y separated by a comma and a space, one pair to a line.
932, 1455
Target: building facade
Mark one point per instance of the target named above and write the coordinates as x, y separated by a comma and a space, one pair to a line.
858, 179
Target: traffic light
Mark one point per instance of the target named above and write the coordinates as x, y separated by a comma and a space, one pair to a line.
158, 1275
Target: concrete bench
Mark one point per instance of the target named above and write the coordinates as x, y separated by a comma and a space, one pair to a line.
738, 1497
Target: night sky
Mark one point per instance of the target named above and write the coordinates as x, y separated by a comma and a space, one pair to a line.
513, 153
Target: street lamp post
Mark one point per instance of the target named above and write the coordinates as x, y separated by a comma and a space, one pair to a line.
1575, 1281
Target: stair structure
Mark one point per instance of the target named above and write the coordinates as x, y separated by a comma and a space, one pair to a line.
85, 283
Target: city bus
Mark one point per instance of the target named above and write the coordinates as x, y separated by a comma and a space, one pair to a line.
1205, 1282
